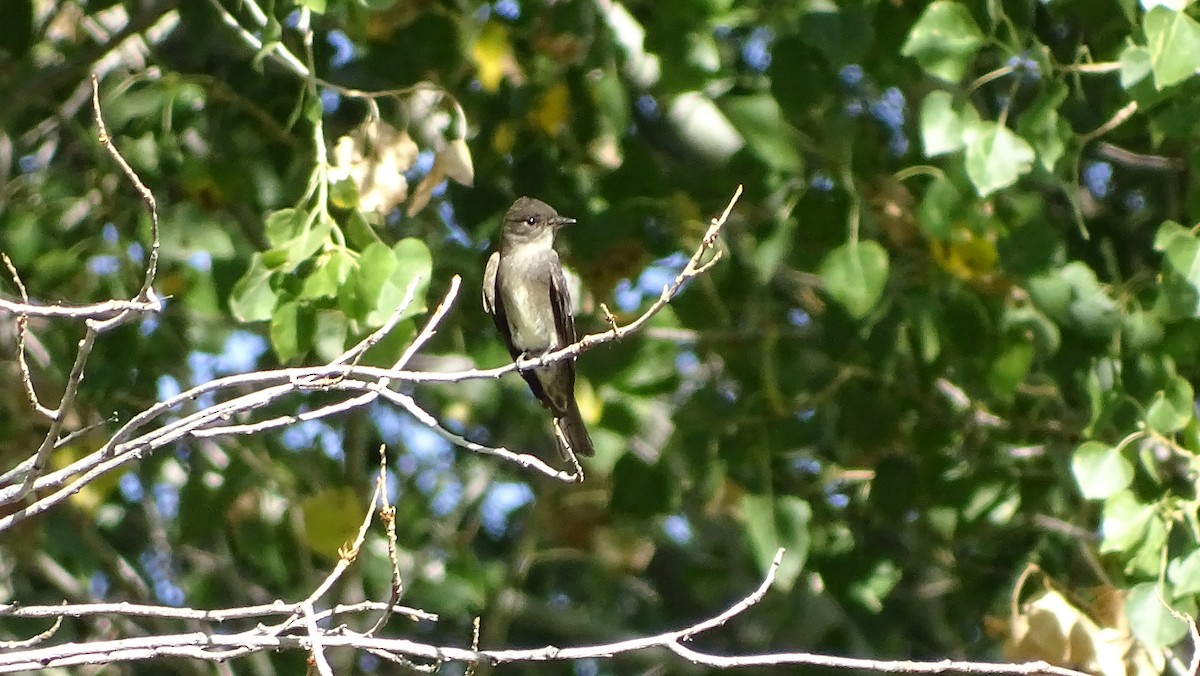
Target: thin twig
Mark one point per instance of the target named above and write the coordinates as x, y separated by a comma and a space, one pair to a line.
387, 514
35, 639
1115, 121
218, 615
22, 328
146, 293
315, 637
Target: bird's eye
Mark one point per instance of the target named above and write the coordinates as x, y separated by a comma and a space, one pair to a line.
530, 221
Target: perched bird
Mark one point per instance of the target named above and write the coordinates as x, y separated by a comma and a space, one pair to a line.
526, 294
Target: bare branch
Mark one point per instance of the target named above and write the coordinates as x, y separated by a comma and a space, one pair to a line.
387, 514
219, 647
35, 639
22, 328
316, 639
884, 666
147, 292
93, 327
218, 615
99, 311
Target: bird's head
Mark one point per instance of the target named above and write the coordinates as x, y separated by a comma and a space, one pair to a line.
529, 220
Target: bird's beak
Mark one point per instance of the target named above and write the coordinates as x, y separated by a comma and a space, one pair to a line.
560, 221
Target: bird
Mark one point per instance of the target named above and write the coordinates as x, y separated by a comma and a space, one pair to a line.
526, 294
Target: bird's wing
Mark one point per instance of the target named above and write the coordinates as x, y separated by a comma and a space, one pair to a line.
493, 303
560, 301
489, 283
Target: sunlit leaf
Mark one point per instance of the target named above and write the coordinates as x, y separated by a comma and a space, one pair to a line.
996, 158
253, 299
944, 40
1173, 39
855, 274
1150, 618
1100, 470
944, 123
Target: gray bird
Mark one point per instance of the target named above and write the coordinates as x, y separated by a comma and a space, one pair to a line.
526, 294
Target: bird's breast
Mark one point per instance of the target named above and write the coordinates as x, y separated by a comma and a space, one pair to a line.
527, 305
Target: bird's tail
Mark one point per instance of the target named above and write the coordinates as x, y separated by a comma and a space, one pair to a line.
571, 435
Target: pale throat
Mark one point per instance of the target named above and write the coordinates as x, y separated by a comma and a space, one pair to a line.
536, 244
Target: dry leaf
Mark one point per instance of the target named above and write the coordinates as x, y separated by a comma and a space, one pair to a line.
374, 158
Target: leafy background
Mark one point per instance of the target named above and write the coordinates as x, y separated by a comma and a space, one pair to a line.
955, 332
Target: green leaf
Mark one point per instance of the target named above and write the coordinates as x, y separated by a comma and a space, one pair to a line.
1052, 294
772, 523
938, 208
1172, 408
854, 274
329, 335
1100, 470
612, 100
1073, 296
1135, 65
281, 226
944, 123
842, 34
1182, 250
1141, 331
769, 136
1125, 522
1095, 313
1173, 39
996, 158
774, 244
359, 233
1181, 286
1146, 560
1026, 320
1041, 126
288, 255
1009, 369
253, 299
1184, 574
291, 330
641, 489
1150, 619
383, 277
328, 275
944, 40
924, 327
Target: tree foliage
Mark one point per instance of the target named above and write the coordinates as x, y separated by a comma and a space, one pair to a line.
952, 337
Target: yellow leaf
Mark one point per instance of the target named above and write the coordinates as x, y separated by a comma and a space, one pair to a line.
967, 256
332, 519
493, 57
591, 405
93, 494
553, 109
504, 138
